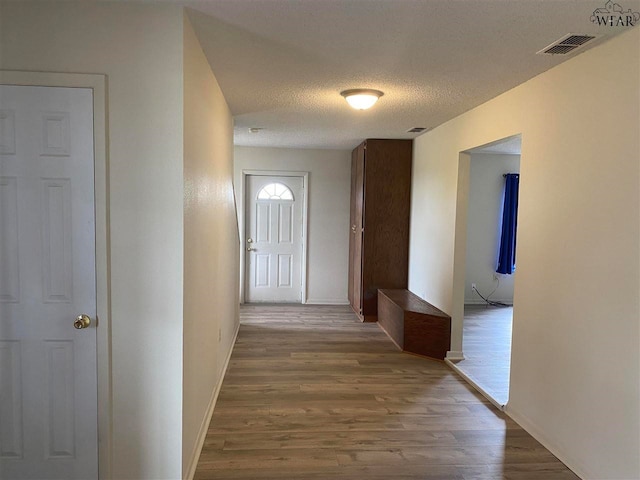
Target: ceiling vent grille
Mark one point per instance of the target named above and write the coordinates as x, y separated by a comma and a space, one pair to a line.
417, 130
566, 44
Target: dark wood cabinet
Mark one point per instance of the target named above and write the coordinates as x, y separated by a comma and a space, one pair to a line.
379, 238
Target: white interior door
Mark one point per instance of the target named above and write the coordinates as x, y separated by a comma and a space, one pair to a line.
48, 385
274, 239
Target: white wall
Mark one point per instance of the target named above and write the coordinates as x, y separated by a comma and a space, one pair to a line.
139, 48
328, 219
575, 363
484, 220
211, 245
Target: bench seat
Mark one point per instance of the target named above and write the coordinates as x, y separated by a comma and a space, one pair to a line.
413, 324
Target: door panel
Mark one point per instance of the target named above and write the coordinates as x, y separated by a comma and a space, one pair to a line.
285, 224
56, 240
357, 228
285, 270
60, 439
48, 375
10, 274
273, 222
11, 406
352, 228
263, 223
262, 275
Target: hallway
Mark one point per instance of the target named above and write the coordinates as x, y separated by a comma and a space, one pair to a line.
312, 393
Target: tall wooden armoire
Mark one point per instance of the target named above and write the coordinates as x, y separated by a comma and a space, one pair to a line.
379, 238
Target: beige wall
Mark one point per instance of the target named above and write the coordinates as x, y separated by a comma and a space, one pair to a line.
139, 48
575, 363
211, 244
328, 219
486, 193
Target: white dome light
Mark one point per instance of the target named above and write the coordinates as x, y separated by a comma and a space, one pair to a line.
361, 98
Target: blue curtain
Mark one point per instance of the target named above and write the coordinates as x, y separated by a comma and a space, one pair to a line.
507, 253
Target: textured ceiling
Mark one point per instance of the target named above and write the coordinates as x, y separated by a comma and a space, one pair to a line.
283, 63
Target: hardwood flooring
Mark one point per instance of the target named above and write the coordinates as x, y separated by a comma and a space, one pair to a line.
486, 344
312, 393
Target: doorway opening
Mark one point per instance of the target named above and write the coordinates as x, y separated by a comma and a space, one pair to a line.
486, 303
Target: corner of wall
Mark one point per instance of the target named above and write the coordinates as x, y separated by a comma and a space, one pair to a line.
211, 246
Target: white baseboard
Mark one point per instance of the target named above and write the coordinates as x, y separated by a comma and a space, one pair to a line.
202, 432
331, 301
474, 301
536, 433
479, 301
454, 355
475, 385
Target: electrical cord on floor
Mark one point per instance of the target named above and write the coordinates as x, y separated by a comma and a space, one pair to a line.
491, 302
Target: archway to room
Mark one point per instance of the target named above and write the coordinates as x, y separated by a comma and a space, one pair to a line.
487, 300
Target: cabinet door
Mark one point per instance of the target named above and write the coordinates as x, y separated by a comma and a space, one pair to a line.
352, 225
355, 242
387, 198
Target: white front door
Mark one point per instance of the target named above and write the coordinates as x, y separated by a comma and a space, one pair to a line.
274, 239
48, 385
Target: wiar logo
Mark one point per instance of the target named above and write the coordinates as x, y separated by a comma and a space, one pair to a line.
612, 15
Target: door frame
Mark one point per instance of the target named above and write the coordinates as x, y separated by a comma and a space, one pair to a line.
98, 83
460, 263
243, 210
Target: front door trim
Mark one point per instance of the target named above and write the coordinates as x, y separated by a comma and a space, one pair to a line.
305, 207
98, 84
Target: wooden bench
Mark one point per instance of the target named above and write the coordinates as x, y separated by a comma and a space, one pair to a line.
413, 324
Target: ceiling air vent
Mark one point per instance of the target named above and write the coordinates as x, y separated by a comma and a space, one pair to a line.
566, 44
417, 130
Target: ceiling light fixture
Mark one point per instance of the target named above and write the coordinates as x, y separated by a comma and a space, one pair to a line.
361, 98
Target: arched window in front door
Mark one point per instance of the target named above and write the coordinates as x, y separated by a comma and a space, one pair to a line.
275, 191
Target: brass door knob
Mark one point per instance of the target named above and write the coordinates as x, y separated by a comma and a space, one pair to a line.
250, 249
82, 321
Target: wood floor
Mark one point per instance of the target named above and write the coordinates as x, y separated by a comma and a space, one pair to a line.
486, 344
312, 393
